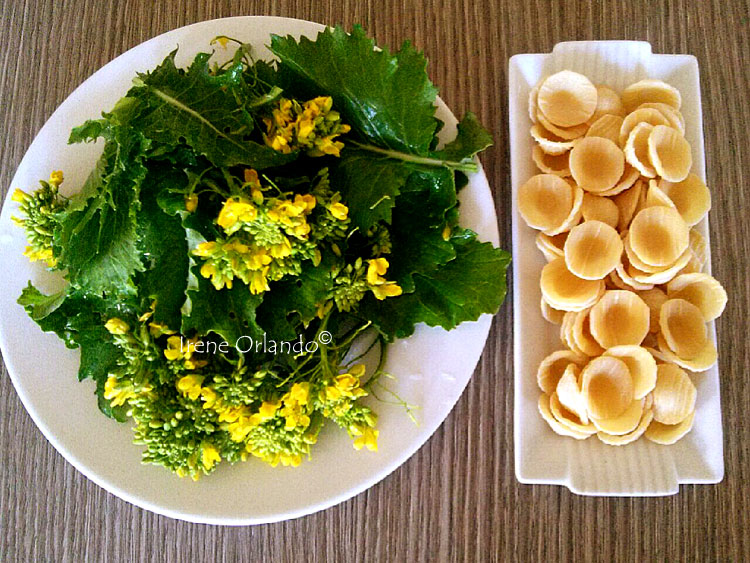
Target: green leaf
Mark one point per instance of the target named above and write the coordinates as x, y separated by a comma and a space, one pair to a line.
96, 238
461, 290
89, 132
417, 226
297, 298
207, 111
39, 306
387, 98
470, 139
164, 247
369, 185
78, 319
229, 313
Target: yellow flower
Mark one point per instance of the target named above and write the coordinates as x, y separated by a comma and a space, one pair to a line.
258, 281
339, 211
210, 398
368, 438
205, 249
446, 232
388, 289
258, 259
191, 203
116, 326
208, 270
300, 393
44, 254
376, 269
221, 40
282, 249
209, 455
236, 209
293, 410
19, 196
306, 201
190, 386
251, 176
290, 460
174, 349
115, 394
305, 128
56, 178
268, 409
280, 144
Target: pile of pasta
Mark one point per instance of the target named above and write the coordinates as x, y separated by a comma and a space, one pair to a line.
616, 205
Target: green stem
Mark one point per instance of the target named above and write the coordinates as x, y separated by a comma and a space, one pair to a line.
468, 166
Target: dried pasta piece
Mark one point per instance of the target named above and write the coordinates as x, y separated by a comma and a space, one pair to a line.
569, 393
607, 126
672, 115
670, 153
704, 360
619, 317
580, 331
568, 418
651, 90
551, 314
702, 290
697, 247
623, 273
644, 423
658, 235
641, 365
655, 196
674, 394
596, 164
654, 298
556, 164
552, 368
598, 208
566, 291
636, 149
567, 133
663, 276
549, 142
545, 201
628, 179
667, 434
623, 424
557, 427
532, 101
691, 197
608, 102
567, 98
627, 202
566, 333
648, 116
574, 217
592, 250
607, 387
683, 328
551, 246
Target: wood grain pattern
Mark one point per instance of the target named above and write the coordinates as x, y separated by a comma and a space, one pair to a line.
457, 499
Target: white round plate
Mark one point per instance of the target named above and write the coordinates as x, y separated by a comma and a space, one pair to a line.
432, 367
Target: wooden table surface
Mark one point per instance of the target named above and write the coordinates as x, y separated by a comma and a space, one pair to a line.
50, 512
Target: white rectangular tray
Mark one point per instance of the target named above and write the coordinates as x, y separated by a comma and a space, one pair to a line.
590, 467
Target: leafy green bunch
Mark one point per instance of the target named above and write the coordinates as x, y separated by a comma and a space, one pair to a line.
262, 200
